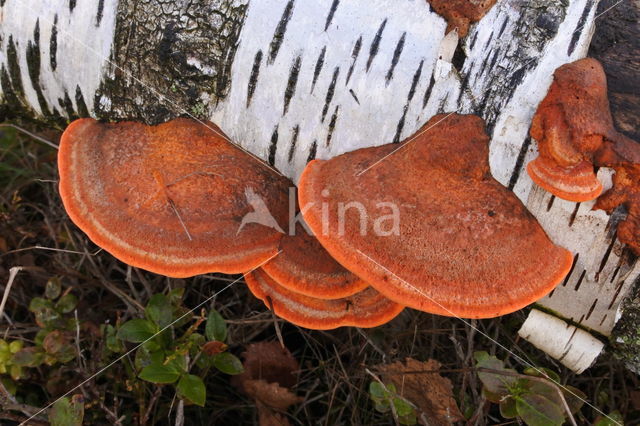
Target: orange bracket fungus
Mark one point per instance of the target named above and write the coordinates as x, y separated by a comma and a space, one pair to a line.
367, 308
169, 198
305, 267
461, 14
465, 246
575, 133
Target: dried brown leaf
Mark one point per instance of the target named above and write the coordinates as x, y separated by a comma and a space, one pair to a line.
270, 362
421, 383
270, 395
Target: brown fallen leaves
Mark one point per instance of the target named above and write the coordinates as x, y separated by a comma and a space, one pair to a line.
269, 373
421, 383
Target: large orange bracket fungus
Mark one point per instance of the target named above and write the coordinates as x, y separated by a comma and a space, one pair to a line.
466, 245
305, 267
368, 308
575, 133
169, 198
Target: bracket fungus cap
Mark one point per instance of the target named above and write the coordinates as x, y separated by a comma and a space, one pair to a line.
368, 308
305, 267
169, 198
466, 246
570, 125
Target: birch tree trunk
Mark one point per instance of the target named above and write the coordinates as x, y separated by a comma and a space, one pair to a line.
293, 80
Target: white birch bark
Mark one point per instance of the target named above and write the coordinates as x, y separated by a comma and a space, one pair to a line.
292, 80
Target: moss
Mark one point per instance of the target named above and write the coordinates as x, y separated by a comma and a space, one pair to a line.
625, 339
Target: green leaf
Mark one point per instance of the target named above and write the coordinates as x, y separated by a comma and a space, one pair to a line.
175, 296
192, 389
542, 372
508, 408
216, 328
376, 390
495, 383
159, 310
536, 410
67, 303
38, 304
613, 419
228, 363
159, 373
53, 288
403, 408
67, 413
28, 357
111, 340
136, 330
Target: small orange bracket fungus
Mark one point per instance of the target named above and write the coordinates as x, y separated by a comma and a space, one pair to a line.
465, 245
169, 198
367, 308
575, 133
461, 14
305, 267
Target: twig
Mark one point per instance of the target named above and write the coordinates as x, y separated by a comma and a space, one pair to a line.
12, 276
28, 133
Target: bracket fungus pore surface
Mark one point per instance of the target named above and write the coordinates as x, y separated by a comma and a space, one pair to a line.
305, 267
169, 198
367, 308
465, 245
575, 133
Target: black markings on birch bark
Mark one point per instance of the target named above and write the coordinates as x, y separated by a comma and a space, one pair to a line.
375, 44
580, 28
353, 95
294, 141
354, 54
53, 44
573, 266
412, 92
519, 164
616, 294
14, 69
72, 5
579, 283
312, 151
292, 83
605, 258
552, 200
332, 12
33, 67
100, 12
67, 105
396, 57
273, 147
503, 27
253, 78
573, 216
332, 125
427, 93
81, 106
593, 306
330, 92
318, 68
281, 29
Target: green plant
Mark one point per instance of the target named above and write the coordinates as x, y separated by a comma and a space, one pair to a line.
54, 342
171, 347
386, 399
534, 396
